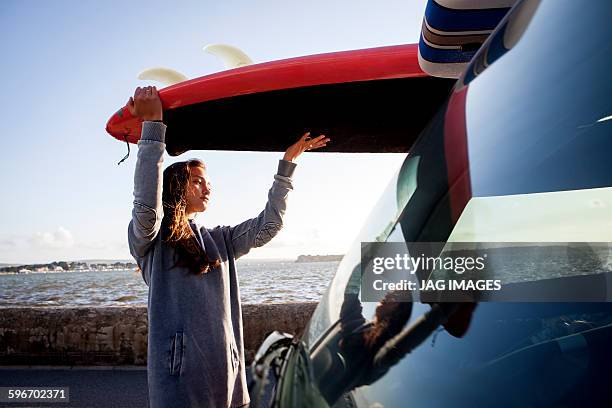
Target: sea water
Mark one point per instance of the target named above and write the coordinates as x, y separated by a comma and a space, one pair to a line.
260, 282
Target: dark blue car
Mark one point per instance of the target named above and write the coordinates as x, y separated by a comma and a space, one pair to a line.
519, 153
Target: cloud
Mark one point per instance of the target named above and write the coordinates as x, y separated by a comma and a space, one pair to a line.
60, 238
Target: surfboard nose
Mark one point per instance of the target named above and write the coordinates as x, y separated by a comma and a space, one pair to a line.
122, 125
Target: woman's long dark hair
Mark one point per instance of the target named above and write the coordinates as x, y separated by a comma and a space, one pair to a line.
175, 228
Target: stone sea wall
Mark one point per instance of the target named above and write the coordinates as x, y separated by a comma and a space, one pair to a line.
117, 335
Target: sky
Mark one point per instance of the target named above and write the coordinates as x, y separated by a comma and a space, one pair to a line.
68, 65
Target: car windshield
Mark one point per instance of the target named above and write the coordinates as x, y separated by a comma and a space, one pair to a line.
520, 153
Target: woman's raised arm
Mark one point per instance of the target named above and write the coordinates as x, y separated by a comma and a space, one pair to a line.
147, 212
260, 230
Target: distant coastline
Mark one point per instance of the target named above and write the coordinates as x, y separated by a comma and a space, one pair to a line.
62, 266
112, 265
319, 258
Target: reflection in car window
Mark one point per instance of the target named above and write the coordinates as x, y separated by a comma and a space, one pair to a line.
380, 222
380, 227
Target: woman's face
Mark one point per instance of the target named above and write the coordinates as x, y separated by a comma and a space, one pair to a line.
198, 190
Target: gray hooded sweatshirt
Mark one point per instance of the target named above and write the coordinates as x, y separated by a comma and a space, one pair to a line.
195, 344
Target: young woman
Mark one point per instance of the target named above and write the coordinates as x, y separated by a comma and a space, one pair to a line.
195, 348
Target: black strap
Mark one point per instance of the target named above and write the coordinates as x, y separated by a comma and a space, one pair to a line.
128, 153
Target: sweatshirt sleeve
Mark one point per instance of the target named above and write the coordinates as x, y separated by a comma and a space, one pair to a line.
260, 230
147, 212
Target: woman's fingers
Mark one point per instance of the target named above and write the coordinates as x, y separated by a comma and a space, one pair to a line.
146, 103
305, 143
317, 142
318, 146
322, 139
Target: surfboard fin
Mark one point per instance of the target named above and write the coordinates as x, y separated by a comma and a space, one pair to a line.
231, 56
166, 76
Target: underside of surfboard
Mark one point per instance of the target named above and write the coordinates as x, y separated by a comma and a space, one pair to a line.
373, 100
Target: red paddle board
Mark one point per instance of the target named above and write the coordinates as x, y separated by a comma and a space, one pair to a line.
372, 100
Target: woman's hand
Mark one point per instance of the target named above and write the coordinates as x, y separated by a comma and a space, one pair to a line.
305, 143
146, 104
